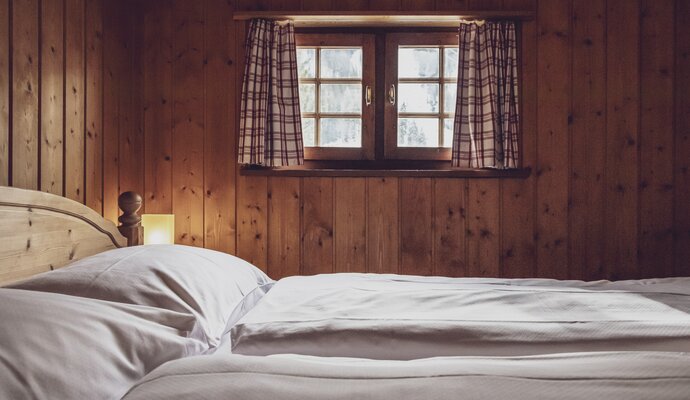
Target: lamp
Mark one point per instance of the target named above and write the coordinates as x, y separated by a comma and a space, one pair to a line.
158, 228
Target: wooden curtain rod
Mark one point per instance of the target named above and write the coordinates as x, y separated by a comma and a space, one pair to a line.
379, 18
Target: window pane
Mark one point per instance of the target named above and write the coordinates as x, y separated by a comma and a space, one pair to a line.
418, 97
308, 133
418, 62
341, 63
341, 132
306, 63
418, 132
341, 98
450, 99
448, 132
450, 62
307, 97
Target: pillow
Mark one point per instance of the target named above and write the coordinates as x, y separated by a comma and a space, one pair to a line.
65, 347
205, 283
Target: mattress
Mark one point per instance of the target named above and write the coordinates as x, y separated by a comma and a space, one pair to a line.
393, 317
611, 376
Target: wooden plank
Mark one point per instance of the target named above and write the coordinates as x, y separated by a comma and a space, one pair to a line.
158, 107
253, 5
682, 140
290, 5
94, 105
485, 5
385, 5
25, 78
4, 92
383, 228
416, 211
317, 5
517, 196
483, 230
519, 5
588, 146
219, 145
622, 156
113, 53
350, 5
317, 226
252, 220
283, 227
459, 5
52, 95
131, 109
553, 103
188, 122
417, 5
450, 227
656, 139
350, 230
74, 100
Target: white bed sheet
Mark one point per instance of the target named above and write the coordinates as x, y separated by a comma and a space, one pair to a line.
394, 317
610, 376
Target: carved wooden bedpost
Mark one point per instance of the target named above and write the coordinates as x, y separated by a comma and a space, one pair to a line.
130, 222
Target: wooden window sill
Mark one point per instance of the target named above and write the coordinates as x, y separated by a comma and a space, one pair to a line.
520, 173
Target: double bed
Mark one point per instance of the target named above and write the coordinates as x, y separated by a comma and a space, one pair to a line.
176, 322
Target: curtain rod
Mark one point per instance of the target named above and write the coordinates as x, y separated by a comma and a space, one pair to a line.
376, 18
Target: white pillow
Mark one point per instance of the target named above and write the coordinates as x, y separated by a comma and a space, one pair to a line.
206, 283
66, 347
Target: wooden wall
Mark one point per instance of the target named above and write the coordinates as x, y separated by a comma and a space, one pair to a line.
606, 132
66, 69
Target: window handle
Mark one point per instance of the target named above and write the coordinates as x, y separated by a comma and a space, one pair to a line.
391, 94
367, 95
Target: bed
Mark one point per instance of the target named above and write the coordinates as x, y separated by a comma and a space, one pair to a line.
85, 316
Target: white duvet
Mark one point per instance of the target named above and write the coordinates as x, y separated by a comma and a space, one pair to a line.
610, 376
395, 317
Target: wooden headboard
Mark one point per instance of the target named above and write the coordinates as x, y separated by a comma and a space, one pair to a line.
40, 232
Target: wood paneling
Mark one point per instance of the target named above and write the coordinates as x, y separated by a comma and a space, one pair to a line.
284, 216
588, 145
416, 228
681, 142
622, 139
350, 236
553, 133
383, 225
605, 121
188, 122
93, 184
52, 96
656, 139
75, 99
25, 55
5, 90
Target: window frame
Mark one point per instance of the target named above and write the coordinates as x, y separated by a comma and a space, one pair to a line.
368, 44
393, 41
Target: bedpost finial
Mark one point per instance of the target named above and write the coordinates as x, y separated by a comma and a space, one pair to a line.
130, 220
129, 203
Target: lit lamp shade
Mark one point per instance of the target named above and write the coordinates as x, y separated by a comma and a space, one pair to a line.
158, 228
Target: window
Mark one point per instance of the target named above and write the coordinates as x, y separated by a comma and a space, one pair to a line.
417, 99
421, 79
336, 74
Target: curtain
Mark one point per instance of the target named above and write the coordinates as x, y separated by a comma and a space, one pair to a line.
270, 122
486, 117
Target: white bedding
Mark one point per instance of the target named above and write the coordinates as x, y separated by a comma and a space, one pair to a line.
610, 376
403, 317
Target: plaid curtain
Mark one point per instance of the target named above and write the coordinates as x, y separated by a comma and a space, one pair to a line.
270, 123
486, 117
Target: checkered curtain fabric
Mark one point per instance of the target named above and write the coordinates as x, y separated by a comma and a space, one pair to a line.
486, 117
270, 122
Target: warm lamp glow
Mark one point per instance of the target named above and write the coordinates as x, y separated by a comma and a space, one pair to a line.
158, 228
